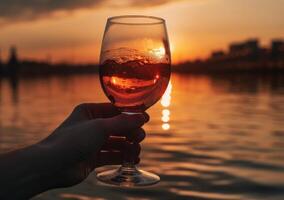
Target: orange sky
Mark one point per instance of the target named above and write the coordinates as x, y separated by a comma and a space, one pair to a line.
196, 27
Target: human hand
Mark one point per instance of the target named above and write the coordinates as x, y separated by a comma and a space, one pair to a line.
88, 139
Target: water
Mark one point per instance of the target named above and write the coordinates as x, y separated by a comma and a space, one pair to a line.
208, 138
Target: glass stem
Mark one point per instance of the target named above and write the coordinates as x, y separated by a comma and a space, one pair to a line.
128, 166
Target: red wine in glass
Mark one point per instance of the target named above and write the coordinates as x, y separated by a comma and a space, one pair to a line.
134, 86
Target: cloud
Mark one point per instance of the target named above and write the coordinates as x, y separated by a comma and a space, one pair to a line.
30, 9
20, 10
148, 3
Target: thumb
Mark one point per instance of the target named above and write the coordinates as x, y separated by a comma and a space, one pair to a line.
123, 122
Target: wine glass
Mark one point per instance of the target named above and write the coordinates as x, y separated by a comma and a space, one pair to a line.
135, 67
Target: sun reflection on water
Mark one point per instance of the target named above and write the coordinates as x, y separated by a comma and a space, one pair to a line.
166, 102
166, 126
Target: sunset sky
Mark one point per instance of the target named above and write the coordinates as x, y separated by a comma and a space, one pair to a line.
71, 30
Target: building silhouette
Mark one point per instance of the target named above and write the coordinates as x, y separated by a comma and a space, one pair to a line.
217, 55
277, 48
13, 62
249, 49
245, 56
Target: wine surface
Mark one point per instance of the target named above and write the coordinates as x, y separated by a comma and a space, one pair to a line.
134, 86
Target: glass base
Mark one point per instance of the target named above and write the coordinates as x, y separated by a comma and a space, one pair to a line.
128, 177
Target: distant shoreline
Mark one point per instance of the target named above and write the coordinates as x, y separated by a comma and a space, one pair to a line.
45, 70
237, 67
242, 57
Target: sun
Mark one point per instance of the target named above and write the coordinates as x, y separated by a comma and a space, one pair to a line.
158, 52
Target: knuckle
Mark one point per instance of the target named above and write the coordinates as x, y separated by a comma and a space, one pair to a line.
142, 131
79, 107
83, 107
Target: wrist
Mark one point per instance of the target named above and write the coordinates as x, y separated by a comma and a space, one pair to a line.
49, 162
43, 165
53, 157
30, 173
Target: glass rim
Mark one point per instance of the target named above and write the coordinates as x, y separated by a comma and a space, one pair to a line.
119, 20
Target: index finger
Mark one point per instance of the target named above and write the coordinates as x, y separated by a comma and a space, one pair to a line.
100, 110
